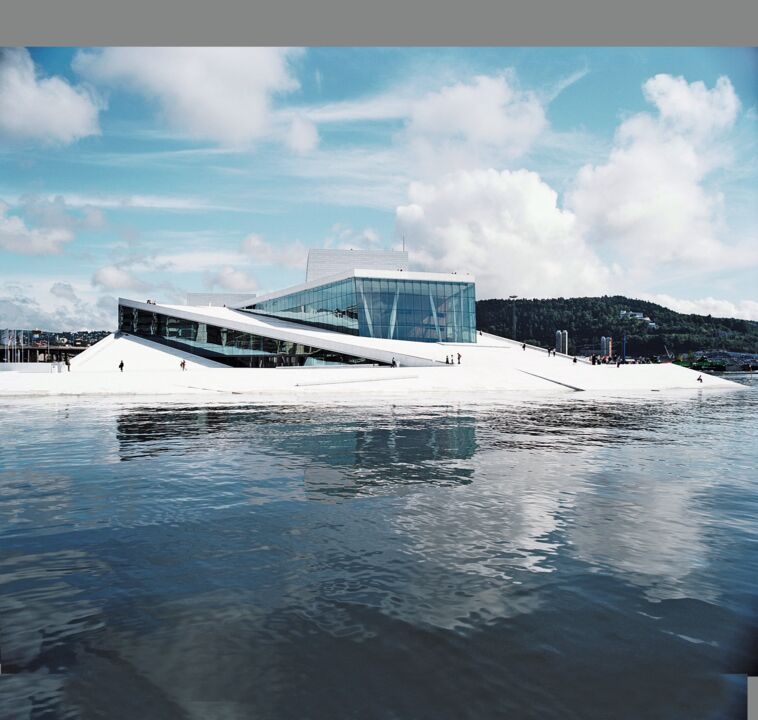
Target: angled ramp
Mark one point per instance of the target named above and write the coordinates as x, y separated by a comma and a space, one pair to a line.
136, 354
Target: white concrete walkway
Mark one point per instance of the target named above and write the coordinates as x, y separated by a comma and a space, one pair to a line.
492, 365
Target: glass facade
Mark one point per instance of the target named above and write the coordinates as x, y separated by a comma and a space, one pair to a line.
423, 311
224, 345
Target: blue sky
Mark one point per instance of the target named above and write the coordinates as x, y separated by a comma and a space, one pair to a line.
149, 172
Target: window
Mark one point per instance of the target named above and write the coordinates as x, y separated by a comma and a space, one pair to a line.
364, 306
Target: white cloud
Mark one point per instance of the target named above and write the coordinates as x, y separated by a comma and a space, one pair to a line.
141, 202
302, 136
486, 121
64, 291
27, 301
47, 110
504, 227
260, 252
649, 203
347, 238
221, 94
112, 277
190, 261
489, 111
231, 278
55, 212
393, 105
16, 236
692, 107
352, 176
744, 309
42, 225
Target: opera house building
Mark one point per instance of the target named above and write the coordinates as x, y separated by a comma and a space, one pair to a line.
362, 324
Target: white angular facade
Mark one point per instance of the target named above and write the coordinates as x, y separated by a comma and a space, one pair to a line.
358, 332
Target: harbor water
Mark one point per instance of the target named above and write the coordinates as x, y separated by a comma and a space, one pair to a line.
555, 557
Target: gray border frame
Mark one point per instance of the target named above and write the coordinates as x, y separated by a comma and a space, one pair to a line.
378, 22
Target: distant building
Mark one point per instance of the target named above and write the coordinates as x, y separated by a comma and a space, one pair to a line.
638, 316
561, 341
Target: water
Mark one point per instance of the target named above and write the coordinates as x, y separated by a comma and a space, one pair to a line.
569, 557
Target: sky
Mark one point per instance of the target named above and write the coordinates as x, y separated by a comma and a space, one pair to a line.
544, 172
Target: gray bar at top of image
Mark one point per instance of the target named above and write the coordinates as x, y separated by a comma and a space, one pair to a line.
389, 22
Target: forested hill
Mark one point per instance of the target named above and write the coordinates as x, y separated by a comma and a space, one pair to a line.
588, 318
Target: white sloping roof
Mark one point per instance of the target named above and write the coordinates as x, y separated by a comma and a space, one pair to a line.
404, 351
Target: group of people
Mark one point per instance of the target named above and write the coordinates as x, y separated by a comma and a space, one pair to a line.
450, 359
606, 360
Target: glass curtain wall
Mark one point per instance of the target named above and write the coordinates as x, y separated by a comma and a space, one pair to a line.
227, 346
331, 306
423, 311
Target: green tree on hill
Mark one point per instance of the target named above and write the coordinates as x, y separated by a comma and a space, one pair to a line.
587, 319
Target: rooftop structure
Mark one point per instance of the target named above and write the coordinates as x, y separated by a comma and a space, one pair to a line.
325, 263
396, 305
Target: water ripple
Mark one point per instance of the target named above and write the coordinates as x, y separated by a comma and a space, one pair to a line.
576, 557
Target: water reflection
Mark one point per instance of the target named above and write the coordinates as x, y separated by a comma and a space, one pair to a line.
345, 456
441, 561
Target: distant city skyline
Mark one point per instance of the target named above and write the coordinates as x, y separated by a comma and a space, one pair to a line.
545, 172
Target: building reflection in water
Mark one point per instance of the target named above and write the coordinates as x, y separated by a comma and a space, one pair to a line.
347, 455
571, 478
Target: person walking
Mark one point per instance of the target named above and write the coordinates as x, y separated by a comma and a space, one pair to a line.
183, 365
459, 358
447, 359
394, 364
121, 366
68, 364
523, 346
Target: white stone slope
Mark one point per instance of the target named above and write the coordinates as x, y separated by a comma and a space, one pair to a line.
492, 365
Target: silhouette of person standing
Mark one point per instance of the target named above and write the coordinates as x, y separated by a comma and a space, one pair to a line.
121, 366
